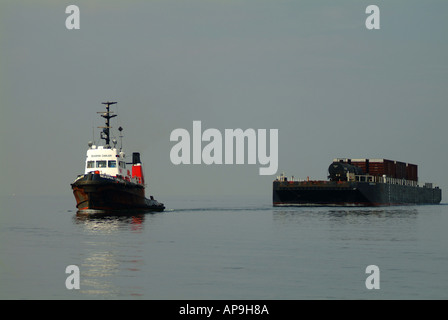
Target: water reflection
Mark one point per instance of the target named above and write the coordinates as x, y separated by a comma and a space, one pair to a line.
329, 213
352, 226
97, 272
110, 253
108, 222
375, 212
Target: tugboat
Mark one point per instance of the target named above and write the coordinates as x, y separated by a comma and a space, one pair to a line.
107, 184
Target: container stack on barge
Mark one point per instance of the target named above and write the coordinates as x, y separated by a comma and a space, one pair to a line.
358, 182
108, 184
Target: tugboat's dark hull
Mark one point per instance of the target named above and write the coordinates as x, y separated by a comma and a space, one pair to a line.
344, 193
95, 191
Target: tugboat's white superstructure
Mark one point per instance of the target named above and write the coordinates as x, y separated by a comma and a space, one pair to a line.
107, 161
107, 184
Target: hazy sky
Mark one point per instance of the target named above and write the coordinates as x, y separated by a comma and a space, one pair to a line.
310, 69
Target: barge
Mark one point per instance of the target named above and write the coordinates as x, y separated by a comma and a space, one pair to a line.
358, 182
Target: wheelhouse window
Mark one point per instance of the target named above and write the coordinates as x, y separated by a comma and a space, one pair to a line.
90, 164
112, 163
101, 164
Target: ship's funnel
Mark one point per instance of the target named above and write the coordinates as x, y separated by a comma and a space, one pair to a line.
135, 158
137, 170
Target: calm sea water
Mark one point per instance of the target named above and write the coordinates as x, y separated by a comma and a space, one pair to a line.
227, 248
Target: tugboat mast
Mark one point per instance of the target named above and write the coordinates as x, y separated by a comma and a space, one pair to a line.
107, 115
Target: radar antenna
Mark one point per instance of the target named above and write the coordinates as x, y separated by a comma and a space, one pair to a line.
105, 134
121, 137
